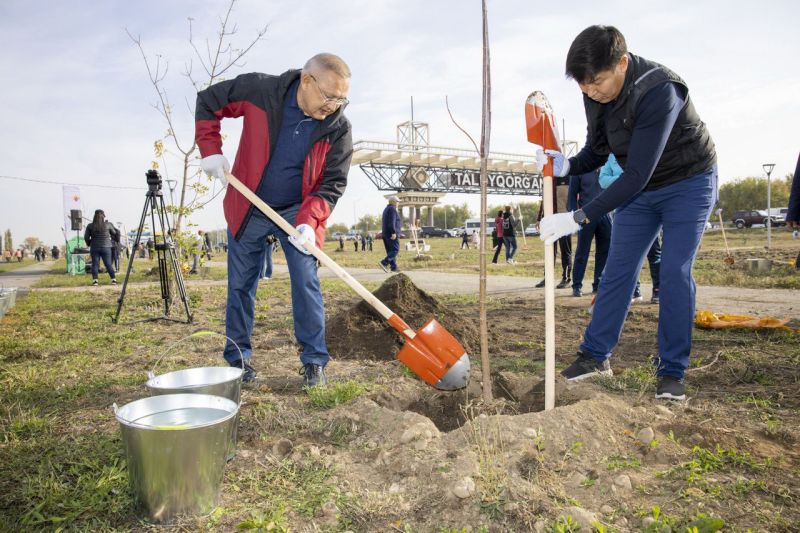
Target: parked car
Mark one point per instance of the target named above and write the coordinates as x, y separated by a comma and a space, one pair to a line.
351, 235
456, 232
336, 234
430, 231
379, 235
745, 218
532, 230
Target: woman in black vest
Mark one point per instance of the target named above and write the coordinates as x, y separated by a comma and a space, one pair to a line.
99, 236
641, 112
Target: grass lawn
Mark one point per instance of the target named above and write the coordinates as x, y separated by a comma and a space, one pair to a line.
144, 271
445, 255
14, 264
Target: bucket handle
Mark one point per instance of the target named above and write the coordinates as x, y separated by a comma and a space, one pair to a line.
152, 373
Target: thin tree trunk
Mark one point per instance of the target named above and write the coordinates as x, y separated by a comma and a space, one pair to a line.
485, 131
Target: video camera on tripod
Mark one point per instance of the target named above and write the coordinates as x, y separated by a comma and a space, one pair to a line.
164, 247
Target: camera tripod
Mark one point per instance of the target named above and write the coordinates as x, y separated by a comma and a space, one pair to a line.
164, 248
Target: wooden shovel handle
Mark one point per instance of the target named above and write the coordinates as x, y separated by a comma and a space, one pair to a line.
370, 298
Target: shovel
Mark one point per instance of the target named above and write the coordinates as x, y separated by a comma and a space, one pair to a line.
542, 130
728, 257
431, 352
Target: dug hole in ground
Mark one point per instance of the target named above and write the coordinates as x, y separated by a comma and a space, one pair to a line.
403, 456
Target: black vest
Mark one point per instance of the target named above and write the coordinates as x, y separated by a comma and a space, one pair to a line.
689, 149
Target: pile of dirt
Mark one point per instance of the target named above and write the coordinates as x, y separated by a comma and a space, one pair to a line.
361, 333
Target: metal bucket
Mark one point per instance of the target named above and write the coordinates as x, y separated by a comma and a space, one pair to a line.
176, 447
11, 292
222, 381
8, 298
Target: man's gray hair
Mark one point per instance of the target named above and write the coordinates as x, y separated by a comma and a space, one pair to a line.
328, 62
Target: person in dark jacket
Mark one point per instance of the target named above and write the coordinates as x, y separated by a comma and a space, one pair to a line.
294, 153
793, 213
583, 189
390, 234
509, 234
497, 235
641, 112
99, 236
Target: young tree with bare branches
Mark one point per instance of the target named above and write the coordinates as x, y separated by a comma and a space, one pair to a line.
216, 57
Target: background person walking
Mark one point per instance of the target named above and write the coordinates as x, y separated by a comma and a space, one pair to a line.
390, 233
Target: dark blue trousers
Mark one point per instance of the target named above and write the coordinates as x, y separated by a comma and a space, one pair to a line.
392, 249
104, 254
600, 231
245, 262
682, 209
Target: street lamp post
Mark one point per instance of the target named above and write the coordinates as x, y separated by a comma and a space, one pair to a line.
171, 184
768, 169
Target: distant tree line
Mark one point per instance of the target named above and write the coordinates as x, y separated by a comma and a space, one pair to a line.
751, 193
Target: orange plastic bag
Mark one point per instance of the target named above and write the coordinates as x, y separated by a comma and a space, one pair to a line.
710, 320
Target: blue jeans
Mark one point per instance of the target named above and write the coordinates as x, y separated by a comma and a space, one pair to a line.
245, 260
511, 246
266, 270
654, 261
600, 231
682, 209
392, 249
105, 255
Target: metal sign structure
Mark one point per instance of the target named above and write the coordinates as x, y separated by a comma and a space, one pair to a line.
406, 167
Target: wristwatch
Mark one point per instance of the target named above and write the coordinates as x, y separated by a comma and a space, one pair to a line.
580, 217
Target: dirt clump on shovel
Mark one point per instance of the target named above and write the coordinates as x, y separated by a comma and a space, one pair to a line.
361, 333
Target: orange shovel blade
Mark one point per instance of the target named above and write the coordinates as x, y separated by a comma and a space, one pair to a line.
541, 126
436, 357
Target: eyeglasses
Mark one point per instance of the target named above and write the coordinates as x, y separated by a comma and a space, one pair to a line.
335, 102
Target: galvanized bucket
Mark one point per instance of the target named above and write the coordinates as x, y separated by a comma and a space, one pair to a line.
8, 298
222, 381
176, 447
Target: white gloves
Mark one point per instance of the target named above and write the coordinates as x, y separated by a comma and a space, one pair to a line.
553, 227
541, 159
307, 238
560, 163
216, 166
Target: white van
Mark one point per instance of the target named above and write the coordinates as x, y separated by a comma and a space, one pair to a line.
473, 225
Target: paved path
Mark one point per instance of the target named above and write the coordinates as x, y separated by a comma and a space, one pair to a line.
23, 278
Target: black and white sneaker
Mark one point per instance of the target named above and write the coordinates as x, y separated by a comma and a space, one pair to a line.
313, 375
655, 299
384, 267
670, 388
586, 366
249, 374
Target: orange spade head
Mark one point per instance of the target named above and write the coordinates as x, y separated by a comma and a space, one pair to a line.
541, 125
436, 357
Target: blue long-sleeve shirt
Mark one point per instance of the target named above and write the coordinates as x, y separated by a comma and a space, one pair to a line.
583, 189
390, 222
655, 116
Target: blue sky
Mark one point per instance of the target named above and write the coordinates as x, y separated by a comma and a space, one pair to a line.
78, 102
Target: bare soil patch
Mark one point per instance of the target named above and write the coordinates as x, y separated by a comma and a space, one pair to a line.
361, 333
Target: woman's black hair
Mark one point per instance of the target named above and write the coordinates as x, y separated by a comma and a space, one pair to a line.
99, 218
594, 50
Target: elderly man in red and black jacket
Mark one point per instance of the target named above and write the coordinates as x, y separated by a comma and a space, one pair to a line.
294, 153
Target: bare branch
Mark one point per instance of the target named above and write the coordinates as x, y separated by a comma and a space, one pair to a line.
447, 104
